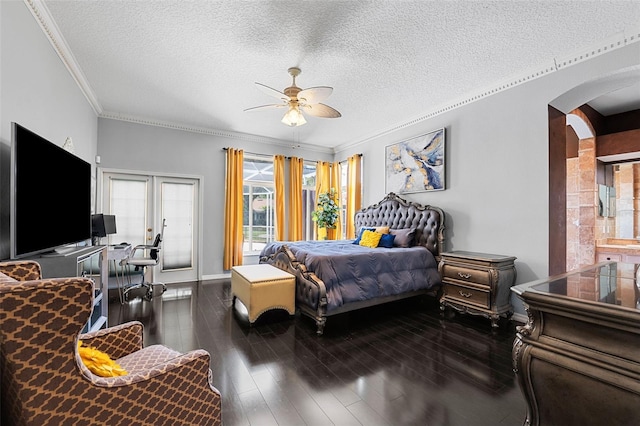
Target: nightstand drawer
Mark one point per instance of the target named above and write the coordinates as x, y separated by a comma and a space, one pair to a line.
460, 273
470, 295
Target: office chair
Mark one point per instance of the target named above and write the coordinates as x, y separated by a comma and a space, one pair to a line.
150, 257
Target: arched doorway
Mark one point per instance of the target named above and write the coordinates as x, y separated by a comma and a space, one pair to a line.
560, 143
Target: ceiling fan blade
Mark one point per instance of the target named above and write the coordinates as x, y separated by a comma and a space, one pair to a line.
261, 107
272, 92
321, 110
313, 95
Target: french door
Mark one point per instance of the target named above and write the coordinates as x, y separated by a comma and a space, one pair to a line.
141, 202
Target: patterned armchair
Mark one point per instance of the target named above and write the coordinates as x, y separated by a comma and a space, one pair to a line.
44, 381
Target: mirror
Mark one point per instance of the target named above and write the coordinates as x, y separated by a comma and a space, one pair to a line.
626, 181
606, 201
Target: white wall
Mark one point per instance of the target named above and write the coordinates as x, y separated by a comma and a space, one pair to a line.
131, 146
36, 91
497, 197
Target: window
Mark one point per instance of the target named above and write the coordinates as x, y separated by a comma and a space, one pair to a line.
308, 199
128, 201
177, 208
258, 214
259, 202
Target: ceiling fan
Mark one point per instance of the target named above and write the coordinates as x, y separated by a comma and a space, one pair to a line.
299, 100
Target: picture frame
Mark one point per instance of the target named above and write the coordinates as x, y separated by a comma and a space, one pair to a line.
416, 164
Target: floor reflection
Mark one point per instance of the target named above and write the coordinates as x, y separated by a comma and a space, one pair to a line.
400, 364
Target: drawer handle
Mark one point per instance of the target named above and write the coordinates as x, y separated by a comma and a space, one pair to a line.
463, 294
465, 276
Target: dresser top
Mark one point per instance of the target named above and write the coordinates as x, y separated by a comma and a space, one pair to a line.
471, 255
605, 284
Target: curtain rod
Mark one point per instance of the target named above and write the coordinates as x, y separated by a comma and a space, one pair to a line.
270, 155
247, 152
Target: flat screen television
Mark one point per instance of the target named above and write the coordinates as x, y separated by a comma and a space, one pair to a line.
50, 195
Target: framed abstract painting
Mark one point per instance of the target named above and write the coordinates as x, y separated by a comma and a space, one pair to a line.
416, 164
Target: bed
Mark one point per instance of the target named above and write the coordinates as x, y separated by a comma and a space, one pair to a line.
333, 277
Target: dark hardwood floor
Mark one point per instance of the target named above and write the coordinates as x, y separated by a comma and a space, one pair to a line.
397, 364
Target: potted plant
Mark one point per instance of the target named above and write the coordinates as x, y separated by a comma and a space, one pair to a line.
326, 215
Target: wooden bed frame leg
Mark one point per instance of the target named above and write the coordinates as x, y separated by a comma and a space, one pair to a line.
320, 322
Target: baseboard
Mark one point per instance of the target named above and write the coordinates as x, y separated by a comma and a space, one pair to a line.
216, 276
520, 318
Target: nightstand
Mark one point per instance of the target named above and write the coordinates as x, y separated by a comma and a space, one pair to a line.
477, 283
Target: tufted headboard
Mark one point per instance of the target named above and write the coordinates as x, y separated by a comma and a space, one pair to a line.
398, 213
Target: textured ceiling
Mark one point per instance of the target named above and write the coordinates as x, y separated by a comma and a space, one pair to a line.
194, 63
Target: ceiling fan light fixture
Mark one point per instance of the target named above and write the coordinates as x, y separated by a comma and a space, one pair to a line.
297, 100
294, 117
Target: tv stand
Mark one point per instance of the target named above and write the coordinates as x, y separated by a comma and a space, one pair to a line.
90, 262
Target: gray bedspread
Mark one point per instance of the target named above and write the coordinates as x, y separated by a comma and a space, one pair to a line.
353, 273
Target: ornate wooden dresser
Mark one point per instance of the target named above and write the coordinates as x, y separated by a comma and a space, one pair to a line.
578, 358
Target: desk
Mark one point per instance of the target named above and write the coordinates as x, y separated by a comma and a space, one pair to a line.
90, 262
577, 358
117, 254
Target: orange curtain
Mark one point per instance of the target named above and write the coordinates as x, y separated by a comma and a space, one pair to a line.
233, 238
354, 192
278, 181
323, 184
296, 166
336, 173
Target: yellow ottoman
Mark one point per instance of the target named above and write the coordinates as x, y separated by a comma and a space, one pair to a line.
263, 287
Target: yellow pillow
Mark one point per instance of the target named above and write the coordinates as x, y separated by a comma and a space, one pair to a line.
382, 229
99, 363
370, 239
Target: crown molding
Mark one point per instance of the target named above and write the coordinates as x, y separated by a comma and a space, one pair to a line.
42, 15
615, 42
609, 44
246, 137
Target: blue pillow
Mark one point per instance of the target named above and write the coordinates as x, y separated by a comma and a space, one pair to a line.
387, 240
362, 229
